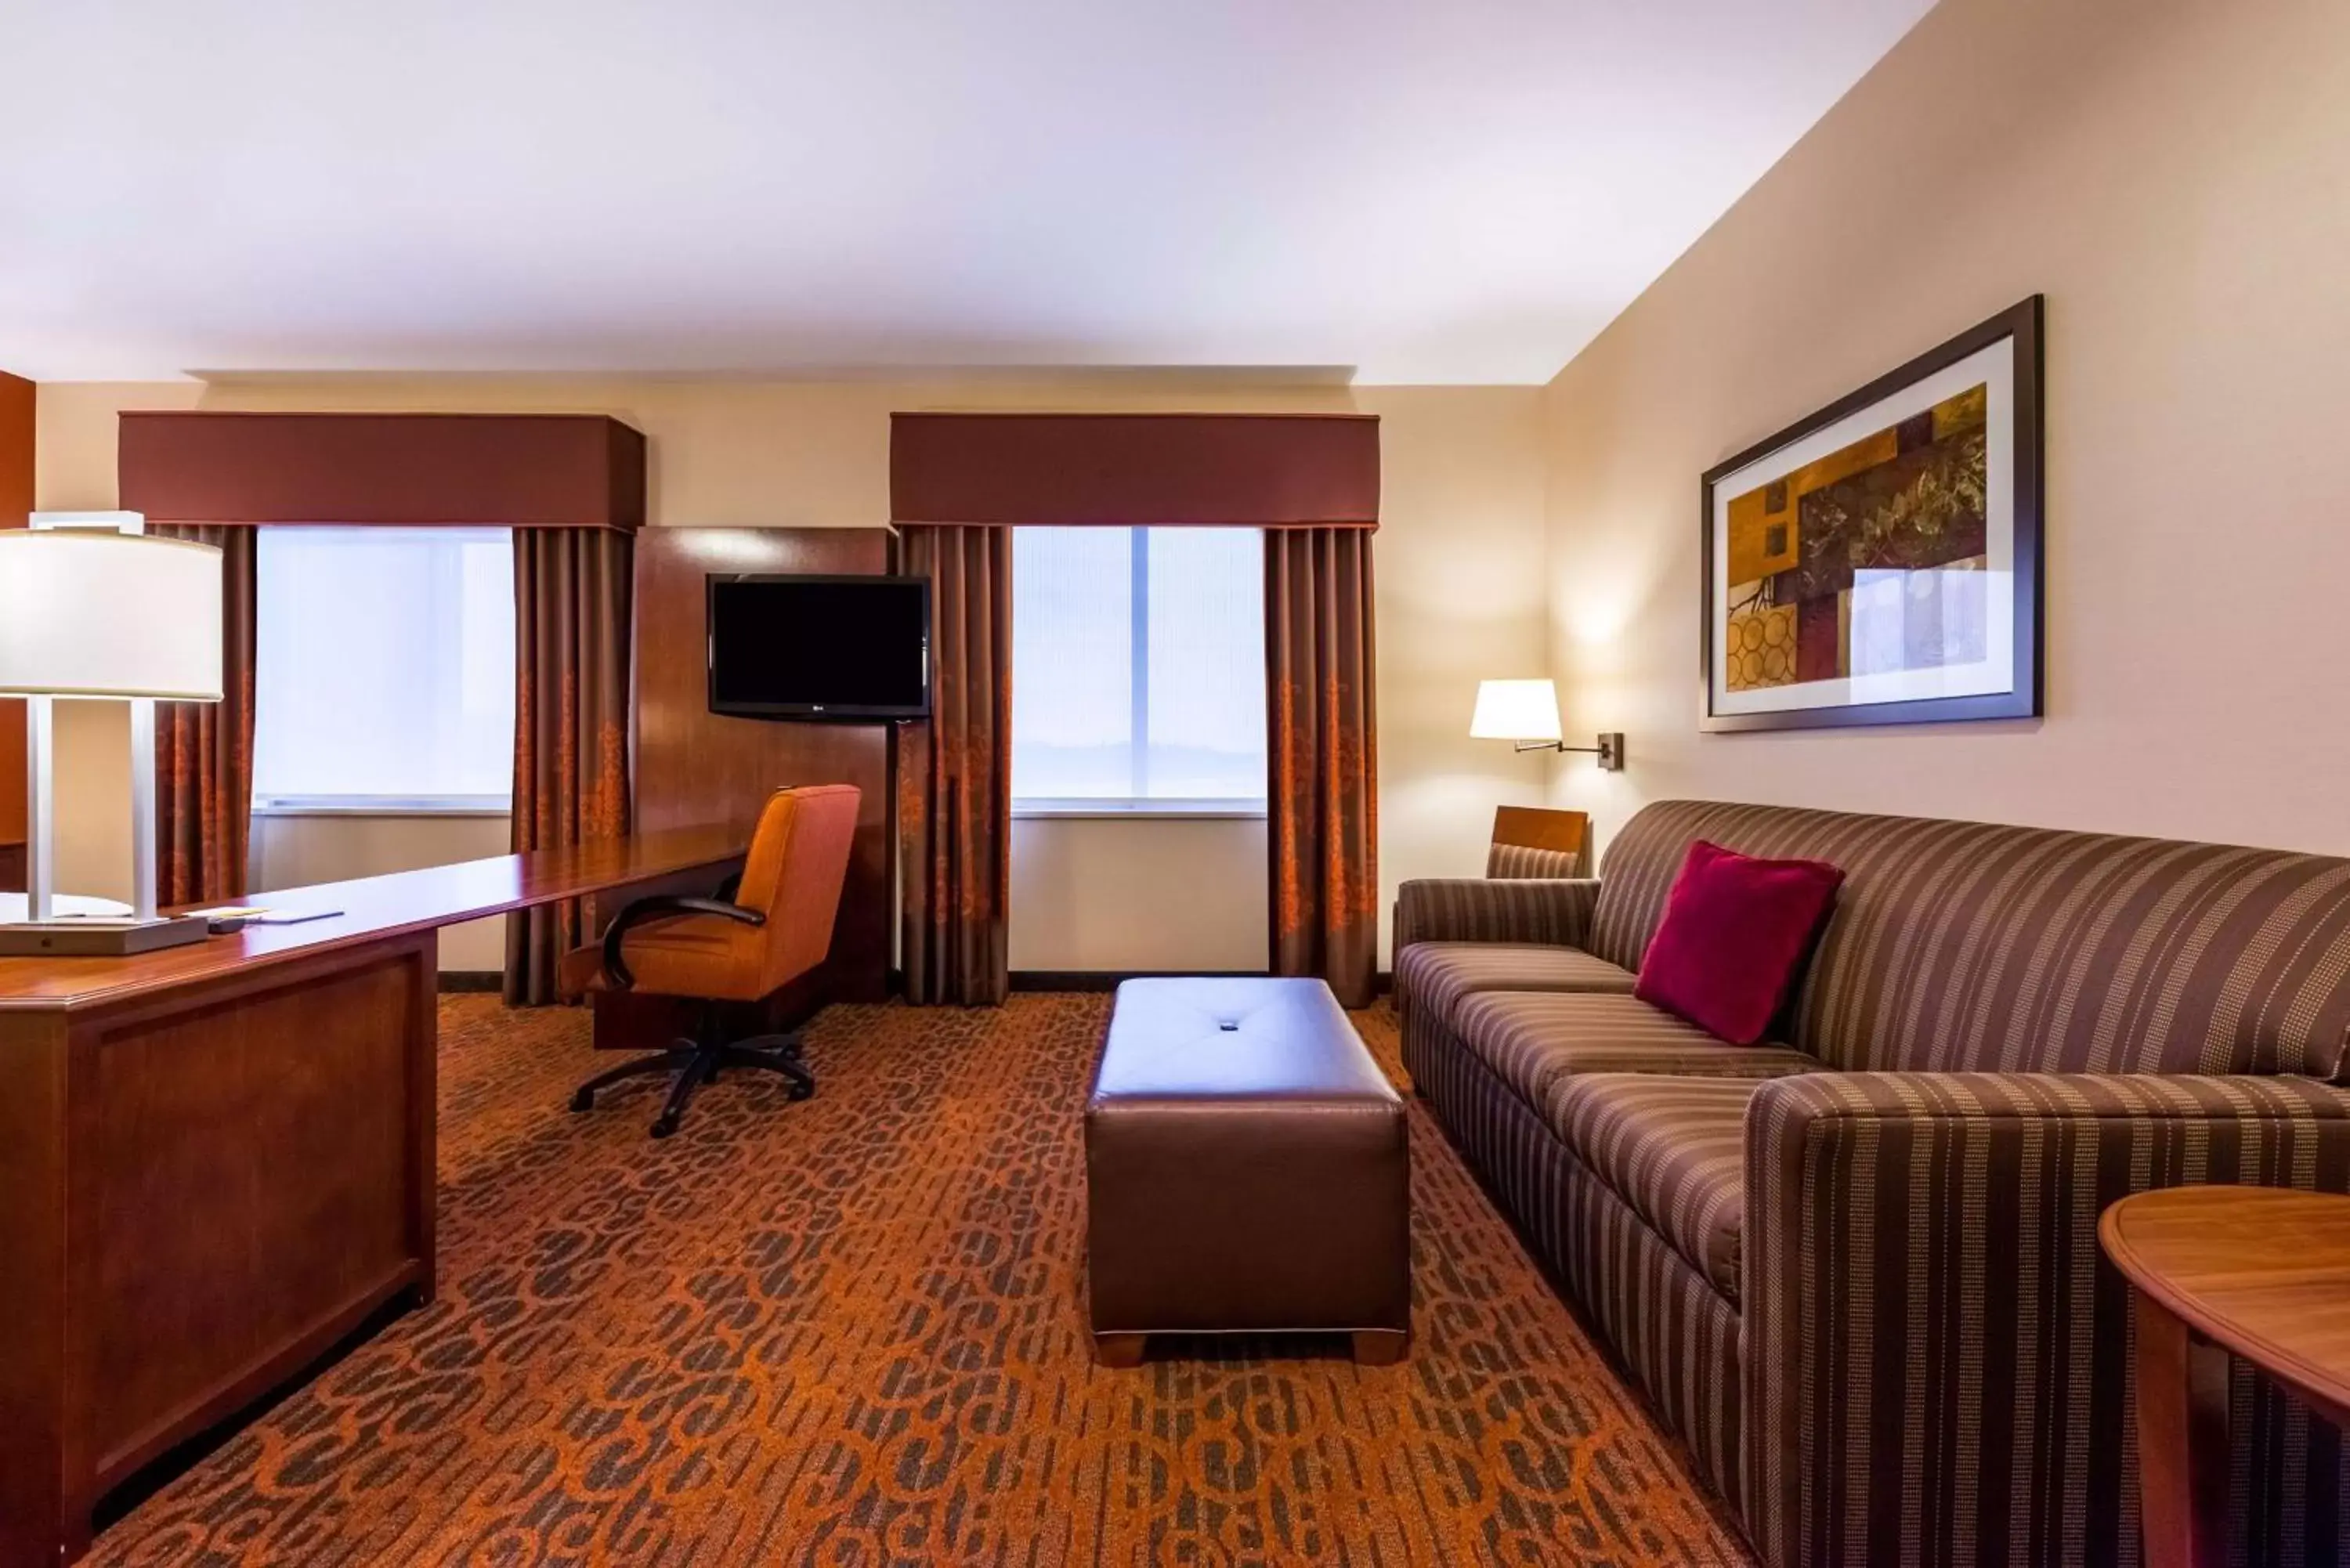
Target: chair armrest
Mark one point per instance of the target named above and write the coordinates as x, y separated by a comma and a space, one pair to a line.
1935, 1350
1554, 912
662, 906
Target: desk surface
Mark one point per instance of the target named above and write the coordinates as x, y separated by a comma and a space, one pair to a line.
372, 907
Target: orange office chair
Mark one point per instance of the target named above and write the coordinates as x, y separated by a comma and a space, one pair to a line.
778, 927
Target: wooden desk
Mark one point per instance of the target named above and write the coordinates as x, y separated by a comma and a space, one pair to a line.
2255, 1271
217, 1160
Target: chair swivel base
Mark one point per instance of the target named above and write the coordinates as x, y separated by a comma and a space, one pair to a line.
696, 1065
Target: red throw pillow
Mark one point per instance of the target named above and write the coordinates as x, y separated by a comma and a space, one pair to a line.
1735, 929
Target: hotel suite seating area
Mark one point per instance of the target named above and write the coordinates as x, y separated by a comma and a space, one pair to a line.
1088, 616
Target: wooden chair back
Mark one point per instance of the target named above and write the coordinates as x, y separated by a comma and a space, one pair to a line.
1537, 841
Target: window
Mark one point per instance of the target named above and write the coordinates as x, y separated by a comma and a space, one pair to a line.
1138, 670
384, 669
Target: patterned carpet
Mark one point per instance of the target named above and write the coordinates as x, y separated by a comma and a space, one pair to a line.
852, 1332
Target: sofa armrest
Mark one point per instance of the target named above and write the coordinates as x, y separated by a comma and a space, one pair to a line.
1553, 912
1935, 1351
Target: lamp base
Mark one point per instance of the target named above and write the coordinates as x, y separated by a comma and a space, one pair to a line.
99, 939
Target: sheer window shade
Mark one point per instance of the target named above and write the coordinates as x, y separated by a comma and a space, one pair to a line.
384, 668
1138, 668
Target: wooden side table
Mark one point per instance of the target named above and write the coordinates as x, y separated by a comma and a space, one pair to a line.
2256, 1272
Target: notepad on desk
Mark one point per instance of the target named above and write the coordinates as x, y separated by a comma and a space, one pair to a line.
263, 915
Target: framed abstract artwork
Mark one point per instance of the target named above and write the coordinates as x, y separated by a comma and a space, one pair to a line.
1879, 562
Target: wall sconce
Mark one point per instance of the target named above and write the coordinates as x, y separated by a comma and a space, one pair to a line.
1526, 711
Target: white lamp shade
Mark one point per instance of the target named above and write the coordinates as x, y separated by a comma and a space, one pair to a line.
87, 613
1515, 711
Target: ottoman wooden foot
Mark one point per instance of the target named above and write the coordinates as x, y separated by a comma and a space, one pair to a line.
1119, 1349
1379, 1346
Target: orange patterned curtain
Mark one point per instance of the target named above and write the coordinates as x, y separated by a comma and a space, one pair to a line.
954, 776
574, 589
204, 751
1322, 757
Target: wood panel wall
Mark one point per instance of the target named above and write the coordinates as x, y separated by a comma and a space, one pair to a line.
694, 766
16, 403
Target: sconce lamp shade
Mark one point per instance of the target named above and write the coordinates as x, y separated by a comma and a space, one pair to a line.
1515, 711
86, 613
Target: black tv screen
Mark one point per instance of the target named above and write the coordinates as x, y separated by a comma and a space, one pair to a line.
841, 648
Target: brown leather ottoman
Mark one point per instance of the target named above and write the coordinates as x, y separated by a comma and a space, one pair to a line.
1246, 1172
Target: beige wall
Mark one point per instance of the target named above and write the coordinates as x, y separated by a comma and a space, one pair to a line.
1461, 596
303, 851
1105, 894
2175, 176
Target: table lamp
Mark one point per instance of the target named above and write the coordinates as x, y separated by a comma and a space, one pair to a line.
1526, 711
92, 609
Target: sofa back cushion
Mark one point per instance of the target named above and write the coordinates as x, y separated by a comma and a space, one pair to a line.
1962, 946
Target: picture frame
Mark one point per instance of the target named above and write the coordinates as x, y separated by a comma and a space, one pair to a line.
1879, 562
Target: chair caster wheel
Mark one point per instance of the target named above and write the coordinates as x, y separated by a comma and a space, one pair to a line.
585, 1100
664, 1126
800, 1092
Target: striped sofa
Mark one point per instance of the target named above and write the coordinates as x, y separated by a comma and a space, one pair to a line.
1857, 1269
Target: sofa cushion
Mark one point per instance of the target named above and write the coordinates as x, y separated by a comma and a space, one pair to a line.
1437, 975
1674, 1149
1533, 1041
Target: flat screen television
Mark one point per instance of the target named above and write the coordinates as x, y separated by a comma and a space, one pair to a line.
835, 649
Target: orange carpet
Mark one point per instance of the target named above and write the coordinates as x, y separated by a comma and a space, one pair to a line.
852, 1332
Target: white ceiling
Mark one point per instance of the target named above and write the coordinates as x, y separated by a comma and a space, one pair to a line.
1430, 190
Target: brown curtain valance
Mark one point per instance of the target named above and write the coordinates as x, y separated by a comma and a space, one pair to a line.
1245, 471
505, 471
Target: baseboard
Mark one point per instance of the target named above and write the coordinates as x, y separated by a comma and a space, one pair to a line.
1109, 980
465, 981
